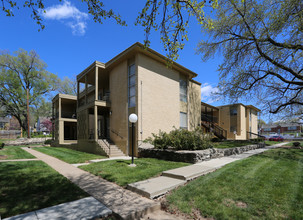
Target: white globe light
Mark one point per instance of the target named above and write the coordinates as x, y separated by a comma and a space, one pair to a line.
133, 118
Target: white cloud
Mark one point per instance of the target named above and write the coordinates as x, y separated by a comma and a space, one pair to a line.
69, 15
207, 93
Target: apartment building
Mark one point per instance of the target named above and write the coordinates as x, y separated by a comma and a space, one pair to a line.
233, 122
139, 81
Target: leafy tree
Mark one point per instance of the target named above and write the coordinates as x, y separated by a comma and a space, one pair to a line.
68, 86
262, 44
19, 73
171, 17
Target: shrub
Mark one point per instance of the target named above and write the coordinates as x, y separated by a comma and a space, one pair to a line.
180, 139
1, 145
49, 141
296, 144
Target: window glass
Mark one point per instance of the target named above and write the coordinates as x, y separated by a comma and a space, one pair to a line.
132, 86
233, 129
132, 101
132, 80
233, 111
183, 90
132, 91
183, 120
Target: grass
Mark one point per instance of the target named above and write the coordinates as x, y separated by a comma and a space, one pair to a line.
32, 185
265, 186
291, 143
119, 172
68, 155
269, 143
231, 144
14, 152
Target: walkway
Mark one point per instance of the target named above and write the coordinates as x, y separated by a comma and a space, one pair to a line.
125, 204
171, 179
86, 208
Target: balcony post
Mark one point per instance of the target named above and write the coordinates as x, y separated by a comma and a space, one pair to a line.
85, 88
59, 107
96, 83
96, 122
78, 88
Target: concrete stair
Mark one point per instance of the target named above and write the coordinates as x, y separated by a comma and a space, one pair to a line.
110, 149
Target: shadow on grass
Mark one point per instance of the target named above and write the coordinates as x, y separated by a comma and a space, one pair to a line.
32, 185
283, 154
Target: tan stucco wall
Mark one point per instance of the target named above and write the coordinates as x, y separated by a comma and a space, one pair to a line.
194, 105
241, 126
158, 97
119, 107
225, 121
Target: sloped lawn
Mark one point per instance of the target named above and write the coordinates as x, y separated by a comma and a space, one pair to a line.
119, 172
68, 155
32, 185
14, 152
265, 186
231, 144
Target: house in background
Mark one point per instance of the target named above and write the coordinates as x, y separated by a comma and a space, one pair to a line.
4, 123
233, 122
135, 81
64, 110
283, 128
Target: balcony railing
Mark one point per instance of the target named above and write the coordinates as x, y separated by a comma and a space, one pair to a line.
66, 114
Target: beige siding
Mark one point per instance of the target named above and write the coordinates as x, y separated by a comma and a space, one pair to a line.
158, 97
241, 129
119, 108
194, 105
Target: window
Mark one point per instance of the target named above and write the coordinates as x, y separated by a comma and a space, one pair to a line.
233, 111
233, 129
183, 90
183, 120
292, 128
131, 85
249, 114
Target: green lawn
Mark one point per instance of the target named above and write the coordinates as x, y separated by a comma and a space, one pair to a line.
32, 185
68, 155
272, 142
231, 144
14, 152
119, 172
265, 186
291, 143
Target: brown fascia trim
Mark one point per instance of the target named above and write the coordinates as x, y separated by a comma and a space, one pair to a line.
208, 105
196, 82
135, 48
89, 68
246, 106
64, 96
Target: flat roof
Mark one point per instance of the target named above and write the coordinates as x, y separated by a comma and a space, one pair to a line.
64, 96
247, 106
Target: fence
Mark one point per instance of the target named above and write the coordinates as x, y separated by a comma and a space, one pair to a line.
11, 134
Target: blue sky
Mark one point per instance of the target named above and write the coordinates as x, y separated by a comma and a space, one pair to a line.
71, 40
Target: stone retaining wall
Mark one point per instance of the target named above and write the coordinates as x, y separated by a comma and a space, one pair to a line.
194, 156
25, 141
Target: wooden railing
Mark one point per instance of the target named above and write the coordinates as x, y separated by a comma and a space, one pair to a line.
212, 127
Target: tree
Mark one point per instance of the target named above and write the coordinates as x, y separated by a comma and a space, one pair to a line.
171, 17
262, 45
68, 86
19, 73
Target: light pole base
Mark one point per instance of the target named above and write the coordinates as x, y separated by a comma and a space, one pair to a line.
132, 165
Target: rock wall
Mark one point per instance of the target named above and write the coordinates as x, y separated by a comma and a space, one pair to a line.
194, 156
25, 141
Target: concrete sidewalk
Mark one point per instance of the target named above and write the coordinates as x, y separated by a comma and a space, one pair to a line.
171, 179
122, 202
86, 208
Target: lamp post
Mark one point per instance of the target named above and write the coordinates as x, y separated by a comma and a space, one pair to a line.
133, 118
